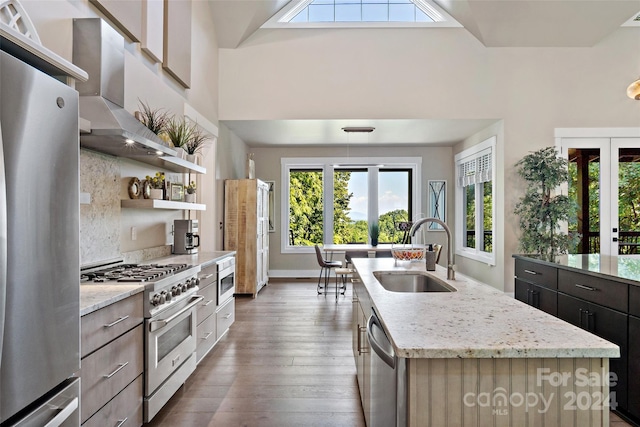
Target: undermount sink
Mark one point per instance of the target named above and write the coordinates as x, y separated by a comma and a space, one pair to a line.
411, 281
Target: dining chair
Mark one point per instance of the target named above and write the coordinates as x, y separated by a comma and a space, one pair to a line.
325, 270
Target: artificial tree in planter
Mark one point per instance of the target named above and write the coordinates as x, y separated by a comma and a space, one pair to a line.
541, 210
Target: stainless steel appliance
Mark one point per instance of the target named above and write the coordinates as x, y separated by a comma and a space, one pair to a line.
387, 399
39, 247
185, 236
226, 279
170, 304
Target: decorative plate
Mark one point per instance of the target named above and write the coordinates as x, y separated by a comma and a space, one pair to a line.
135, 189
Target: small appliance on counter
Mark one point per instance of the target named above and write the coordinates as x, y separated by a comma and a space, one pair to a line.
185, 236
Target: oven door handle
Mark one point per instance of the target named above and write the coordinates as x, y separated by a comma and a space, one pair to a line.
159, 324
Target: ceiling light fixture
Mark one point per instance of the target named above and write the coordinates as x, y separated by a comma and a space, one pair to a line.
633, 91
361, 129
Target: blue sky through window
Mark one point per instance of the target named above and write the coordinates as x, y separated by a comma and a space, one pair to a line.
361, 11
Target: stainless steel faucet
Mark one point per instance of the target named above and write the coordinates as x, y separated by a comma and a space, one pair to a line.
451, 274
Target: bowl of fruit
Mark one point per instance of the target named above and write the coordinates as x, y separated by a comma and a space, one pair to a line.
408, 252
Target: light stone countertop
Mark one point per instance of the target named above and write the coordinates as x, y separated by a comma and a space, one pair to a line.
94, 296
476, 321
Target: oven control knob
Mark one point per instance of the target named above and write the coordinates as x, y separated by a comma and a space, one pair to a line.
163, 299
176, 291
195, 282
184, 287
155, 300
188, 283
167, 295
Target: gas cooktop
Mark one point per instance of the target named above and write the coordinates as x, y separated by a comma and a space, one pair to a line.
132, 273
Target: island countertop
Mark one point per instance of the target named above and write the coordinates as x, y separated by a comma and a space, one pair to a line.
476, 321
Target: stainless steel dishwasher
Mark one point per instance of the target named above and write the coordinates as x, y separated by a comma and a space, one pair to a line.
388, 379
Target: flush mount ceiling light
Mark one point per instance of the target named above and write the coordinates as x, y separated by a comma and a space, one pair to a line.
633, 91
361, 129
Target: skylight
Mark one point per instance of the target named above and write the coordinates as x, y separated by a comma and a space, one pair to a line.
360, 13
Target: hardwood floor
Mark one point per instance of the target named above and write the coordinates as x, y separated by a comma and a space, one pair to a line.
286, 361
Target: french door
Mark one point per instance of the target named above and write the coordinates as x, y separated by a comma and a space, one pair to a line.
604, 181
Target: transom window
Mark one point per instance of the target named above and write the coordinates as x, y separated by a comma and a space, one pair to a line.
360, 13
328, 202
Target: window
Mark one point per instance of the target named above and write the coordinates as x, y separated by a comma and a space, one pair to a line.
474, 201
360, 13
339, 210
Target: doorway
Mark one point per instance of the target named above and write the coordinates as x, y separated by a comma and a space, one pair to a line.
604, 182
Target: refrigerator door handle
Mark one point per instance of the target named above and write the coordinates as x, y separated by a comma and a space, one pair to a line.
65, 413
3, 244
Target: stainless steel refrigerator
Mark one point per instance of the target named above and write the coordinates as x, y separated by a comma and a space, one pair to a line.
39, 248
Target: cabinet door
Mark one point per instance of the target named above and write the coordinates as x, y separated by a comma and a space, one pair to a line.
634, 366
605, 323
537, 296
522, 291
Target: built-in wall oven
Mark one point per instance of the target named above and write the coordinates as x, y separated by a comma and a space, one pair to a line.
226, 279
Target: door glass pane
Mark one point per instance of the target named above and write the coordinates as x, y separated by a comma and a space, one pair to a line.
350, 206
305, 207
629, 201
470, 215
393, 203
584, 190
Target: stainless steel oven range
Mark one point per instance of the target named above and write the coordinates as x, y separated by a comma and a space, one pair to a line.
226, 279
170, 304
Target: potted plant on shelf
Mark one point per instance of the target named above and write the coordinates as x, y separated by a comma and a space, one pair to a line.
541, 210
374, 230
155, 120
190, 197
195, 143
180, 132
157, 185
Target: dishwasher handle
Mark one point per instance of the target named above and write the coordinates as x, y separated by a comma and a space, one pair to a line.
388, 358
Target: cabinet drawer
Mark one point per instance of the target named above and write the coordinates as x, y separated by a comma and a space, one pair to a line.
225, 316
102, 326
539, 274
208, 276
124, 410
107, 371
206, 333
601, 291
634, 300
208, 306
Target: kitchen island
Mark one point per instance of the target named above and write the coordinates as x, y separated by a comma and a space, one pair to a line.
475, 356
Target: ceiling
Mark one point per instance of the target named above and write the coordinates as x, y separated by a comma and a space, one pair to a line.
303, 133
496, 23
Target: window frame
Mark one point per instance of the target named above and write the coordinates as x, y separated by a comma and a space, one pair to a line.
328, 165
475, 152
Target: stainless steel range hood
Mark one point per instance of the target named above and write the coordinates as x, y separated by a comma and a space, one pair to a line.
99, 49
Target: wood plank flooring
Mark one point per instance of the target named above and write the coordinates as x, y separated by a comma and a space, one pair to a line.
286, 361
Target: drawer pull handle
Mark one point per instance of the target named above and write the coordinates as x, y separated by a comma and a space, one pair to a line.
121, 422
207, 303
122, 319
227, 316
588, 288
355, 280
206, 336
207, 276
118, 369
535, 273
176, 360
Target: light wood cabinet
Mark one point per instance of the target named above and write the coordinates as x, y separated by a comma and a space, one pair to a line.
112, 364
246, 231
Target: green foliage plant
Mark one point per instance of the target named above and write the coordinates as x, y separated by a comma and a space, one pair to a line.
156, 120
180, 131
196, 141
191, 188
156, 181
541, 211
374, 232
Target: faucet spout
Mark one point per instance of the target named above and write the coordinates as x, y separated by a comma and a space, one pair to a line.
451, 274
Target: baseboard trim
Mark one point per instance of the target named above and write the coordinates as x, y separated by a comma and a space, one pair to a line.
294, 274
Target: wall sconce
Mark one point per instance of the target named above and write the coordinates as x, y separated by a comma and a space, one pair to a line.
633, 91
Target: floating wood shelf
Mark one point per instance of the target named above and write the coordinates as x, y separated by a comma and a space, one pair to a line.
161, 204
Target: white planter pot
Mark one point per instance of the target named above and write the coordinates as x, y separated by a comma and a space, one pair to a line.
190, 198
156, 193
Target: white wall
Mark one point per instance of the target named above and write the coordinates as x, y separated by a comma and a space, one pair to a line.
436, 73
